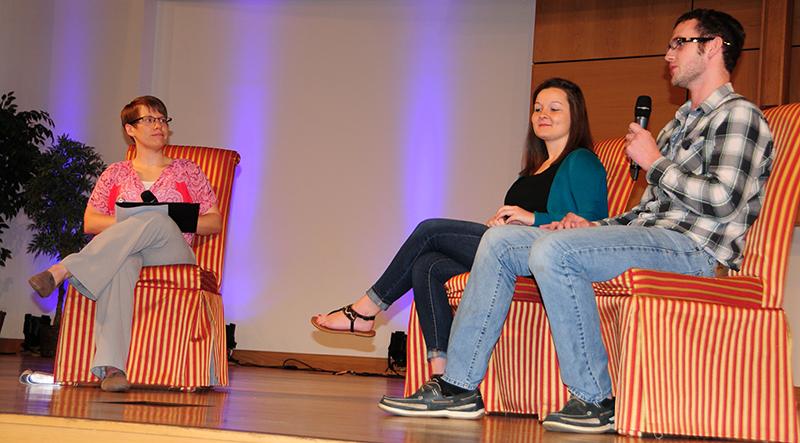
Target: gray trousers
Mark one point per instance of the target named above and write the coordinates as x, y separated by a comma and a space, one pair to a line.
106, 271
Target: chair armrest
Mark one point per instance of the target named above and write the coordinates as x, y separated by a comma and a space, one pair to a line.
741, 291
178, 276
524, 290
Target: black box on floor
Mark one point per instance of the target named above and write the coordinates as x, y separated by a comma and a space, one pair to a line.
397, 350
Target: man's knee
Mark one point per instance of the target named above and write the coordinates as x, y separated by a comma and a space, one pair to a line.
548, 250
497, 240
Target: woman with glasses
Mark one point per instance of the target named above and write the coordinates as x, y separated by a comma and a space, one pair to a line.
106, 270
560, 174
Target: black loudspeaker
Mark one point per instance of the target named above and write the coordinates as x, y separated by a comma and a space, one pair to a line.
38, 334
397, 350
48, 339
230, 338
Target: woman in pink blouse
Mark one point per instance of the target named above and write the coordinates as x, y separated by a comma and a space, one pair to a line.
106, 270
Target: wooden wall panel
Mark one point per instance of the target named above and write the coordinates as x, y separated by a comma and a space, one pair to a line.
796, 27
794, 76
748, 12
590, 29
776, 28
745, 76
611, 88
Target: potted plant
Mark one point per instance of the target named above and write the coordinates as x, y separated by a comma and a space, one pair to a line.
55, 200
21, 135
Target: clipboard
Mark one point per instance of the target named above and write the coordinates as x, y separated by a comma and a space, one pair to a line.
184, 215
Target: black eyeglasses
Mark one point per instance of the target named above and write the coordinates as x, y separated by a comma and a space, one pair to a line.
151, 121
677, 42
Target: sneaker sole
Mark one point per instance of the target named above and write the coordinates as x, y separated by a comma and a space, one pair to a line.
441, 413
564, 427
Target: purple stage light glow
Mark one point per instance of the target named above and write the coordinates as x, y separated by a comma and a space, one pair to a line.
427, 143
427, 123
249, 83
72, 73
70, 84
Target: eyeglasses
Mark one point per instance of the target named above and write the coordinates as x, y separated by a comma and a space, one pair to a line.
151, 121
677, 42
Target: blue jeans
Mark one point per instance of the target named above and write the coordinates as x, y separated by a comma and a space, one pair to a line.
564, 264
437, 250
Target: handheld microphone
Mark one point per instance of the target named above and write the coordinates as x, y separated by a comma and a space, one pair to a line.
149, 197
641, 115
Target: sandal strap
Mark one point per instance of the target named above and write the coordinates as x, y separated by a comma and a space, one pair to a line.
352, 315
349, 308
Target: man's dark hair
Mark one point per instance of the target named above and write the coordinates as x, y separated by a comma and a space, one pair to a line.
712, 23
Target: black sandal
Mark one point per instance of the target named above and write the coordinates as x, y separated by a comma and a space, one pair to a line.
351, 315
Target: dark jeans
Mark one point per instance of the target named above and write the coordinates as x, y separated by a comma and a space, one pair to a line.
437, 250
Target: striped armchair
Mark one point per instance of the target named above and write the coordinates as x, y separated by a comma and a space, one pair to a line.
711, 357
523, 376
178, 336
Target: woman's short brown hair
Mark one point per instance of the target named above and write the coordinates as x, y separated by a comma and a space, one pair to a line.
130, 112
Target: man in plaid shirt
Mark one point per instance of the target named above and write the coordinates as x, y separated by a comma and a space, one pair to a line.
706, 175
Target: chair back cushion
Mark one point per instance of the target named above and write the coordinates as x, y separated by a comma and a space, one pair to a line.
768, 241
218, 165
612, 154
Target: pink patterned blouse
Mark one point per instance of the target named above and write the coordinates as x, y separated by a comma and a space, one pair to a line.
181, 181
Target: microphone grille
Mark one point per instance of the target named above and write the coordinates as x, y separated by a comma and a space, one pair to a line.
643, 105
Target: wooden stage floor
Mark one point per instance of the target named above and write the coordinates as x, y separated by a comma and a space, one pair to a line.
259, 405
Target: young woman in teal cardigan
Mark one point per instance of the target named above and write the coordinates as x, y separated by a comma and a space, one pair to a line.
560, 175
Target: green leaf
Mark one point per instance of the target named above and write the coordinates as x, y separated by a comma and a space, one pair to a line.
22, 134
56, 197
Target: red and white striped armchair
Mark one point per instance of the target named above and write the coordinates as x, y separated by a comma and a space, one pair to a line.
711, 357
522, 376
178, 335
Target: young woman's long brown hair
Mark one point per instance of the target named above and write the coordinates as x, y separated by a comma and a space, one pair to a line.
579, 134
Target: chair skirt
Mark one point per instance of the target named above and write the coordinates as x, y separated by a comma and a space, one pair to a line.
178, 333
706, 370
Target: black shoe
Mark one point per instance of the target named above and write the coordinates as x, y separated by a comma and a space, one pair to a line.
429, 401
580, 416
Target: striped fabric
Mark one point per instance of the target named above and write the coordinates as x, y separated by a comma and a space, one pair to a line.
218, 165
178, 336
742, 291
728, 373
705, 369
523, 373
766, 252
178, 276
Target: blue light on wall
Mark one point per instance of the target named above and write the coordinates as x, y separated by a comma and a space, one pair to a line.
72, 71
248, 81
70, 84
427, 126
426, 146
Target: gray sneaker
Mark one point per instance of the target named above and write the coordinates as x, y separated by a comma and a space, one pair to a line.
583, 417
430, 401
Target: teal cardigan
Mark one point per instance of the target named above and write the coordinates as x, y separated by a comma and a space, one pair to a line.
579, 187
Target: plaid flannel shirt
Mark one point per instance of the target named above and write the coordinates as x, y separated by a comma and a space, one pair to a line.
710, 182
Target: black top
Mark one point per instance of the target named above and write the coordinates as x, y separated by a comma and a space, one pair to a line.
530, 192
